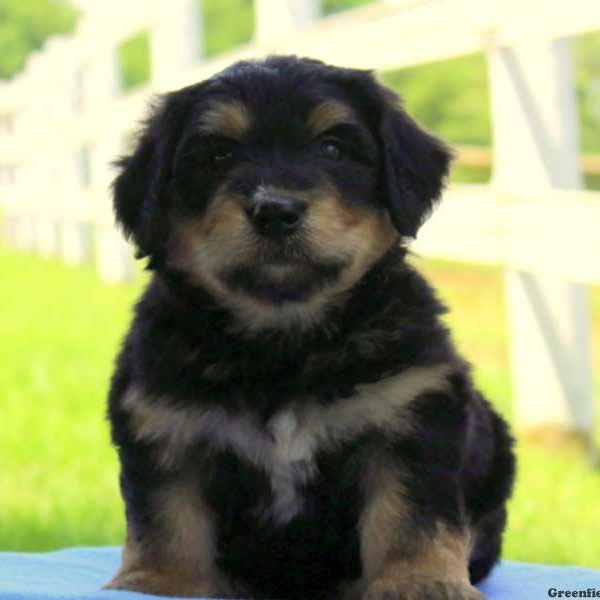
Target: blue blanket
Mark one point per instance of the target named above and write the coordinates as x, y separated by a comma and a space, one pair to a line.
79, 573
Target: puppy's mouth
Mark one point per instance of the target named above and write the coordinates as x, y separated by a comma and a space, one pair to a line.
280, 278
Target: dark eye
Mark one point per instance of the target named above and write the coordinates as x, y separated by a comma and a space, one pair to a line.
331, 148
222, 152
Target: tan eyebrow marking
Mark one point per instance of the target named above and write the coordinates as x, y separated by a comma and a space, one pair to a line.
228, 119
329, 114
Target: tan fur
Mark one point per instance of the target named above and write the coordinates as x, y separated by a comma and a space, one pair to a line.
333, 230
188, 527
337, 230
200, 248
394, 559
327, 115
444, 557
227, 119
180, 559
382, 521
410, 587
155, 421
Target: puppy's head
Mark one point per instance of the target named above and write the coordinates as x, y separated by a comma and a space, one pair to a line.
276, 185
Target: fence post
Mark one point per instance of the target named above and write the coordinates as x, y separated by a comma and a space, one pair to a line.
536, 147
276, 19
75, 232
24, 233
175, 42
41, 176
113, 255
56, 152
46, 183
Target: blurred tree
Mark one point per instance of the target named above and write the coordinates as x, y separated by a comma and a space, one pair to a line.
25, 24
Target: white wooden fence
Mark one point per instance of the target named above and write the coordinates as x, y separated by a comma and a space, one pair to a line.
65, 117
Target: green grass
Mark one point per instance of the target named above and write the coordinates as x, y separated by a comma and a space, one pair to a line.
60, 329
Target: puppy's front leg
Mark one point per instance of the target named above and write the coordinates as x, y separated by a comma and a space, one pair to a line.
406, 556
173, 555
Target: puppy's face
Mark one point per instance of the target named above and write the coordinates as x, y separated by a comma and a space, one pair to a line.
276, 185
273, 196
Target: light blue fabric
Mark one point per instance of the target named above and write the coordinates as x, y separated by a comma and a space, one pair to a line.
79, 573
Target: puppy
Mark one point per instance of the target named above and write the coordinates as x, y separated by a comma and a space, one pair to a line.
291, 416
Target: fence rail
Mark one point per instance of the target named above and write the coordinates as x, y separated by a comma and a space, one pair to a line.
482, 157
66, 117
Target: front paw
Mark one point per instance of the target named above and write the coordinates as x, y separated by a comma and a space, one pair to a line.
160, 584
408, 589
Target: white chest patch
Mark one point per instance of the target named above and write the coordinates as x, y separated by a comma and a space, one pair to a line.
292, 465
286, 447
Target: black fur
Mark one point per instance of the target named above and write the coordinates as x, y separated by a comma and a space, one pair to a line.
456, 464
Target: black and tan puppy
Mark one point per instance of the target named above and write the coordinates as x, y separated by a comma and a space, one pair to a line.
291, 416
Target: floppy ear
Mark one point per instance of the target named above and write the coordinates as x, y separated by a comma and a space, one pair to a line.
415, 165
139, 189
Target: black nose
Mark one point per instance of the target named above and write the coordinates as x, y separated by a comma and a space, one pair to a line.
276, 215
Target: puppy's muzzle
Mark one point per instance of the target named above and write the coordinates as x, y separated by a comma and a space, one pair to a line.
276, 216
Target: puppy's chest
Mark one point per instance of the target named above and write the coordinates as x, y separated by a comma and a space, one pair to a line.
272, 467
290, 452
